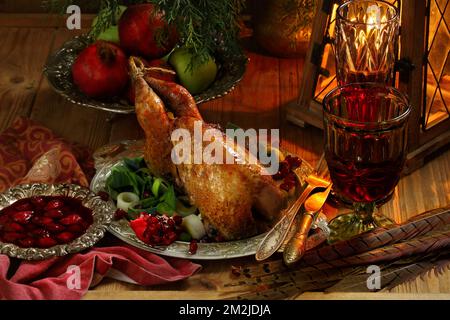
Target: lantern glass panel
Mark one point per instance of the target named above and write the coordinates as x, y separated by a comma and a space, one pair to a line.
437, 66
327, 82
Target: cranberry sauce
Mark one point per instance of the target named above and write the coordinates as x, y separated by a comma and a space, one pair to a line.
44, 221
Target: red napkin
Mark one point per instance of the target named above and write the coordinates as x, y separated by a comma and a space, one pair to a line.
30, 152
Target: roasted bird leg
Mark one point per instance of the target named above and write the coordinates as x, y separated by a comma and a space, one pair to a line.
153, 119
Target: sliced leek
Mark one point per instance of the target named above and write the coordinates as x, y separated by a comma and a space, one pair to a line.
127, 200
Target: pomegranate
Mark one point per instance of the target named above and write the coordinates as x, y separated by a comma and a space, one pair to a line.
140, 26
156, 230
101, 70
285, 172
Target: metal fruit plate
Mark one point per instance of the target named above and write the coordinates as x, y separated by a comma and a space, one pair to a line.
102, 212
112, 155
58, 71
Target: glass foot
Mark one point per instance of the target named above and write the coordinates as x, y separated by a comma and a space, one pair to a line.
346, 226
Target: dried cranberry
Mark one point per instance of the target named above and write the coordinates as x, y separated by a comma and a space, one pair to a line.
38, 202
13, 236
177, 219
290, 177
71, 219
156, 239
285, 186
40, 232
153, 219
76, 228
55, 227
120, 214
26, 243
54, 204
24, 207
171, 223
56, 213
13, 227
103, 195
3, 219
41, 221
277, 176
283, 171
193, 246
22, 216
294, 162
46, 242
65, 237
31, 227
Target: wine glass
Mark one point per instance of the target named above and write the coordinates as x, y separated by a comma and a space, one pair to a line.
365, 129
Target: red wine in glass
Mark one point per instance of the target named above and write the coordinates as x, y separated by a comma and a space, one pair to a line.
365, 141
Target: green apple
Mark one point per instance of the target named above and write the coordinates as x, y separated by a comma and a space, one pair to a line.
112, 33
195, 79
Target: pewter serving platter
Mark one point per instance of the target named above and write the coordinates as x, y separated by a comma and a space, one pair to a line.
102, 212
59, 75
112, 155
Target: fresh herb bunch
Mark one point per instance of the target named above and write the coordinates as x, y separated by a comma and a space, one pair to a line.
203, 26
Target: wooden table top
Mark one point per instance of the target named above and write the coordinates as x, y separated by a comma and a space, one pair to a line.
257, 102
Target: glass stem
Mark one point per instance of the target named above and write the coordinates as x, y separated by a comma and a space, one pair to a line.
364, 212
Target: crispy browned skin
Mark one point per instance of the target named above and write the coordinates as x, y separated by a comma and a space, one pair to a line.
153, 119
226, 194
177, 97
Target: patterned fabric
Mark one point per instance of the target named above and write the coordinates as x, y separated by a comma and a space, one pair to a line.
30, 152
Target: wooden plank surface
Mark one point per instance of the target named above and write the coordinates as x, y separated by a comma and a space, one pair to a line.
257, 102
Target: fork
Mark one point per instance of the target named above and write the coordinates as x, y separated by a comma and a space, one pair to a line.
275, 237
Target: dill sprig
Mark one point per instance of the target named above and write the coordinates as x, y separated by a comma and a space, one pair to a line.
204, 26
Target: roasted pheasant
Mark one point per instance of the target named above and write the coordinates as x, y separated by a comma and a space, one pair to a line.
233, 199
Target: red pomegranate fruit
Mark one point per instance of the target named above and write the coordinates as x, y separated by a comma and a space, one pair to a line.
101, 70
140, 29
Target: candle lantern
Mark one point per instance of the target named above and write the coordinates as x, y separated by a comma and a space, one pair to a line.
422, 72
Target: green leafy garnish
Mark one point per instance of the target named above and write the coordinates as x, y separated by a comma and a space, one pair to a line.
156, 194
168, 202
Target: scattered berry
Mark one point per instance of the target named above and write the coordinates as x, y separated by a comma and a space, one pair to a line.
193, 246
285, 172
120, 214
103, 195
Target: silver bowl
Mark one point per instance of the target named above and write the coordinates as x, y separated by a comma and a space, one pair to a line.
58, 71
102, 212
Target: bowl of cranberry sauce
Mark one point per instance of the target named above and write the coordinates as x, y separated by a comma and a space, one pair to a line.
39, 221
